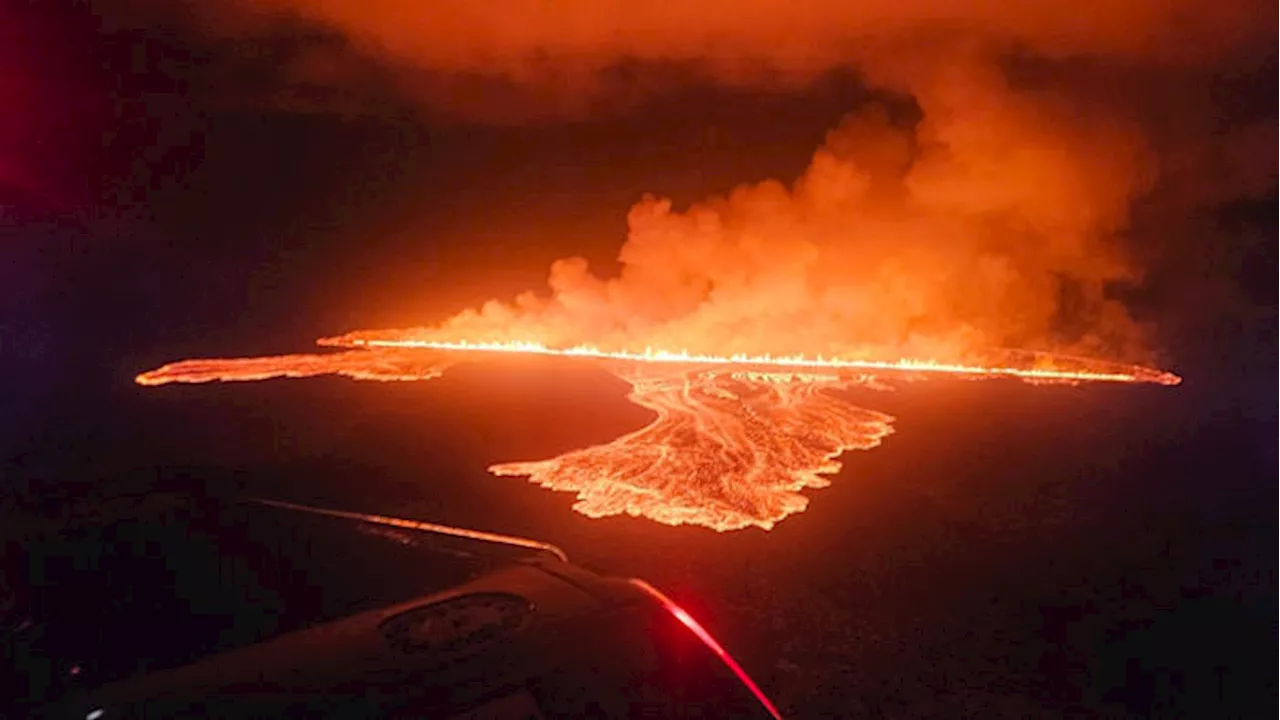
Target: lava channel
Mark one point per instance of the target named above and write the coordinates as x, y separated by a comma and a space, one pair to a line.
734, 443
385, 365
727, 451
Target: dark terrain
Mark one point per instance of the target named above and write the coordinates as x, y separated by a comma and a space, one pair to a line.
1011, 550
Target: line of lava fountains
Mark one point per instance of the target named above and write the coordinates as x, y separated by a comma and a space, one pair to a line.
1094, 370
735, 438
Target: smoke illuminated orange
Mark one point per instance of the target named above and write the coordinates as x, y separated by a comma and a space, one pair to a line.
917, 238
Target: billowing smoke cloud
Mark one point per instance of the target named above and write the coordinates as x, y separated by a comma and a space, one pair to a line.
561, 47
993, 214
965, 229
517, 60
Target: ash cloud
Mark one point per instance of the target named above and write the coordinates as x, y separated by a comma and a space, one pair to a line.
994, 211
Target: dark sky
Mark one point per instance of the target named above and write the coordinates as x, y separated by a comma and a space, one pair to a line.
229, 209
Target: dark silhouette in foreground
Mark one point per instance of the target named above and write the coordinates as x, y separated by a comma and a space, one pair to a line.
186, 607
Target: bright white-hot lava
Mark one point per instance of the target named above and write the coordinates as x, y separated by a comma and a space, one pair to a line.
1044, 367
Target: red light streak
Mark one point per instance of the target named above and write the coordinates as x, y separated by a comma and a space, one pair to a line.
687, 620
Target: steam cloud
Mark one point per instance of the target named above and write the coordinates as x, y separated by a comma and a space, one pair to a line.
993, 217
963, 231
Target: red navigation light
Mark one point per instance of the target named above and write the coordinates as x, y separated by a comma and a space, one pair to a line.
687, 620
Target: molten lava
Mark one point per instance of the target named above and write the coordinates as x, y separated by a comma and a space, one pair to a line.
386, 365
1038, 366
726, 451
736, 438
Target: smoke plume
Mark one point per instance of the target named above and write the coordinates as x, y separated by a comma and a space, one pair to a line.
985, 211
968, 226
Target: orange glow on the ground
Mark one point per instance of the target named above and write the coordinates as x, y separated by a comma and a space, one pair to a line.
735, 441
1120, 373
726, 451
356, 364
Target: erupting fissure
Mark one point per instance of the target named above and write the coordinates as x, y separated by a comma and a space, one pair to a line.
979, 213
736, 438
1053, 369
979, 193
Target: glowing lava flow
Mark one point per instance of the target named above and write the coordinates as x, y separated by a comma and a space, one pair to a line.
726, 451
387, 365
1093, 370
736, 438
